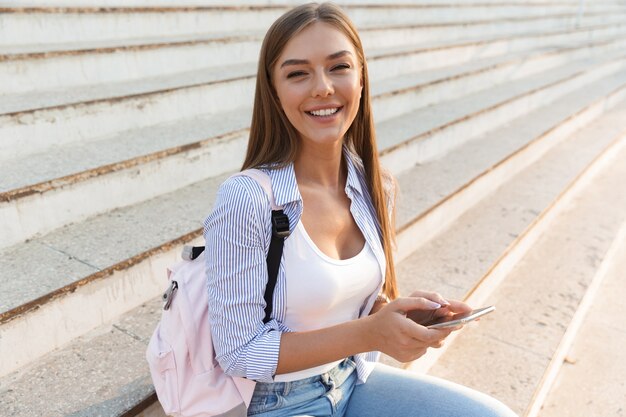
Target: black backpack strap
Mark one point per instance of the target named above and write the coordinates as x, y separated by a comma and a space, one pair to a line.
280, 230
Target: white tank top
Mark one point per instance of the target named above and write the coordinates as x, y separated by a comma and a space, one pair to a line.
322, 291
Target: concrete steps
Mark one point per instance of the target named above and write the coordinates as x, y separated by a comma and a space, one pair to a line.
494, 133
611, 87
26, 26
509, 353
35, 74
408, 59
594, 358
462, 119
61, 65
97, 274
437, 32
438, 54
109, 167
131, 383
90, 376
36, 124
444, 194
93, 271
528, 196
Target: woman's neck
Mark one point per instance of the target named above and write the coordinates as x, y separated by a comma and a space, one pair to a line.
321, 167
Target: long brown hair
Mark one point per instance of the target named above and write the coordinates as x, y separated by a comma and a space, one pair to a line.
273, 140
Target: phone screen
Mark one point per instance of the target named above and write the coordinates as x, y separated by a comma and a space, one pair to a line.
459, 319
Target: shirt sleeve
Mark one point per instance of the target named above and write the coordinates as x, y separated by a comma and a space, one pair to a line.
237, 235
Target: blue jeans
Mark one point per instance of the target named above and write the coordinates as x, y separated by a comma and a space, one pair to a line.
388, 392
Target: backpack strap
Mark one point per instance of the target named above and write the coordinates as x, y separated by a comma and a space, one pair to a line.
280, 230
280, 226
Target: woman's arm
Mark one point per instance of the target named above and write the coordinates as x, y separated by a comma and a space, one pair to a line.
387, 331
236, 235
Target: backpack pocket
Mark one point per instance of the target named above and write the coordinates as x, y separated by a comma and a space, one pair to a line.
162, 363
212, 393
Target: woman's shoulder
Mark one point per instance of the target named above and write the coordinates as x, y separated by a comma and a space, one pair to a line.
244, 190
240, 205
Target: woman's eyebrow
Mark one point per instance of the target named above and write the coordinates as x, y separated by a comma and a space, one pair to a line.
304, 61
338, 55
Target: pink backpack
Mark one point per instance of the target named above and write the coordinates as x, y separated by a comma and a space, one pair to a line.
187, 378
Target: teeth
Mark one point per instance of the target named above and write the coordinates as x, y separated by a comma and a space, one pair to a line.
324, 112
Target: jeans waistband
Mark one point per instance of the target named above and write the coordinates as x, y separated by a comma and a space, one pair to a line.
338, 375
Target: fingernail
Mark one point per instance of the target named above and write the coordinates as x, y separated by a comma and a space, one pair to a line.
434, 304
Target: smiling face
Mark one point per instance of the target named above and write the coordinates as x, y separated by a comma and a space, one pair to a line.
318, 82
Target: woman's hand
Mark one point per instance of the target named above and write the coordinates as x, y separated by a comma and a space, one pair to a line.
448, 308
389, 331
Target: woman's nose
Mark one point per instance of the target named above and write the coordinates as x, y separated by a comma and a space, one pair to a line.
322, 86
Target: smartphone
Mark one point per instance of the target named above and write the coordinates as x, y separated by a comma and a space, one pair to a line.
459, 319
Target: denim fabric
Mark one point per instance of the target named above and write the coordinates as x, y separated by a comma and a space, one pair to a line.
395, 392
322, 395
388, 392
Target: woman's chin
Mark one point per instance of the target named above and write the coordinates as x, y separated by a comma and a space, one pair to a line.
325, 141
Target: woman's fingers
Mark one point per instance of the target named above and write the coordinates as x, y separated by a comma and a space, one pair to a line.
423, 336
416, 347
402, 338
454, 306
433, 296
459, 307
406, 304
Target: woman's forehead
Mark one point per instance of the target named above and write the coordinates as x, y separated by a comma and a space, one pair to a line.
317, 41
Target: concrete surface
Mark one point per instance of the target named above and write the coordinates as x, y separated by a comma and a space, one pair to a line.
453, 261
105, 269
591, 381
538, 299
27, 28
103, 373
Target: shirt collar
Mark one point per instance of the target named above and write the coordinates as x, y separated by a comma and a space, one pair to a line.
353, 181
285, 186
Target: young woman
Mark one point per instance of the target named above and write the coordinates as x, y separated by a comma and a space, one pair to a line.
335, 302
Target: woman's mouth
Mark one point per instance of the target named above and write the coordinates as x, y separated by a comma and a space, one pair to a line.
324, 112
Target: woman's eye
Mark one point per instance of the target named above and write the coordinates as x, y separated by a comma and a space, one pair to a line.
341, 67
296, 74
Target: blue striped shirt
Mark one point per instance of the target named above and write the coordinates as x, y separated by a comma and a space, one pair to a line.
237, 235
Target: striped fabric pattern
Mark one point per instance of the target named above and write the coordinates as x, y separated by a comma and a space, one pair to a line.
237, 235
